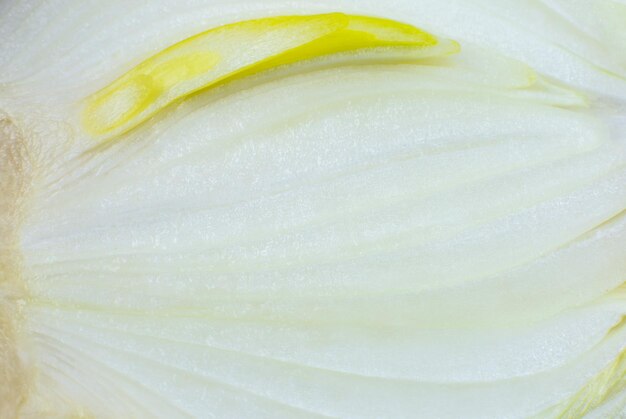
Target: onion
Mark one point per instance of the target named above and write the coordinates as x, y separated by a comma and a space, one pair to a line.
294, 209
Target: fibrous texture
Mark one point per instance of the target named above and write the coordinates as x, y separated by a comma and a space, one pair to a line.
352, 209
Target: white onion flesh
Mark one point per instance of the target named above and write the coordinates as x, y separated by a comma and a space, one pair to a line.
352, 236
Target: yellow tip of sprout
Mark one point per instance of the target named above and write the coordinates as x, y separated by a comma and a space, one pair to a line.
237, 50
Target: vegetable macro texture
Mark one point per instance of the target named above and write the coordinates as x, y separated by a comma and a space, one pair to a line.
330, 208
